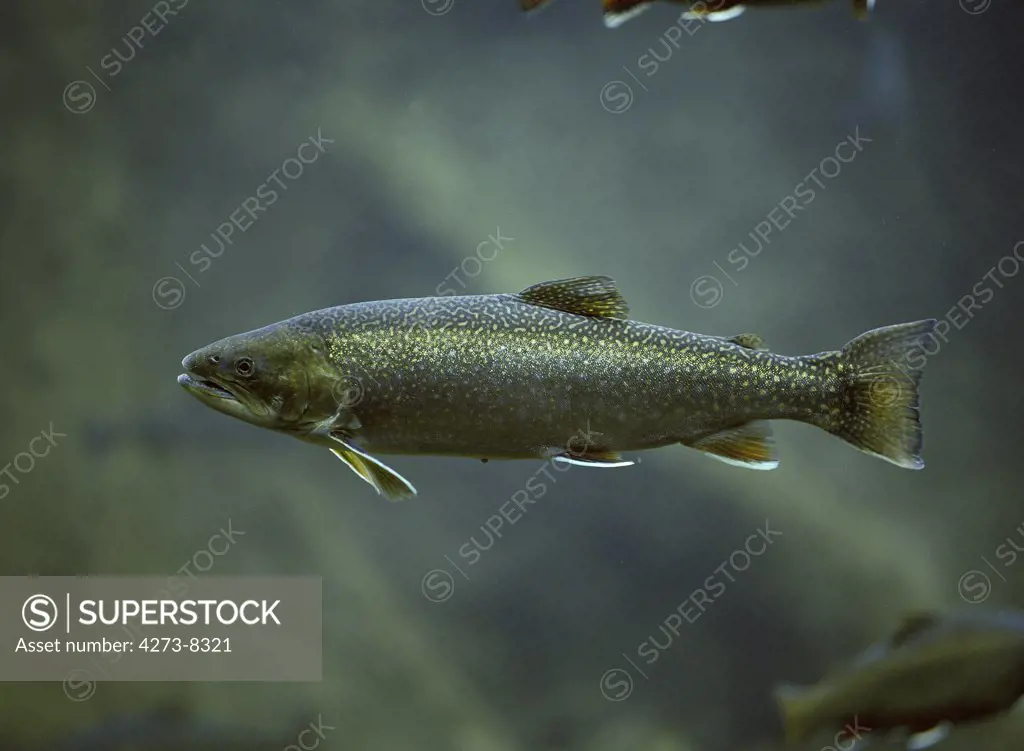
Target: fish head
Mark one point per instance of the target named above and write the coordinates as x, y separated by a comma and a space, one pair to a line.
264, 377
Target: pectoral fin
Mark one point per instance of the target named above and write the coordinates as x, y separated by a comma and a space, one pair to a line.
385, 480
751, 446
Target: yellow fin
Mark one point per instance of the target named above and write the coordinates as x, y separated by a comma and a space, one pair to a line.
750, 445
594, 296
385, 480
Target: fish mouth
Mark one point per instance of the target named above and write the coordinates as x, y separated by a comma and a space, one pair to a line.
204, 389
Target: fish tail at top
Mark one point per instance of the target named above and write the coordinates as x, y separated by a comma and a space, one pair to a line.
879, 393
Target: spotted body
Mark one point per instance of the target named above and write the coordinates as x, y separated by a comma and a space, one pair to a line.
557, 370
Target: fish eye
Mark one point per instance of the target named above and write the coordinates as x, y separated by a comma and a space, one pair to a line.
244, 366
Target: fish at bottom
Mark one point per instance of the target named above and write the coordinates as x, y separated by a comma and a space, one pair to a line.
936, 671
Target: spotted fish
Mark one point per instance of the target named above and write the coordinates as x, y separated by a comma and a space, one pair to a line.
556, 371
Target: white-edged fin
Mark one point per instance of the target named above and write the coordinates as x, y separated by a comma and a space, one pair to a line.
751, 446
584, 462
774, 464
718, 15
613, 20
384, 480
929, 738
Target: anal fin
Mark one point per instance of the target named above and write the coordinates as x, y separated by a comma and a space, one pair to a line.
385, 480
751, 445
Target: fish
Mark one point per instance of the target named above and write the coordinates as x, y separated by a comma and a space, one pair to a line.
617, 12
936, 670
557, 371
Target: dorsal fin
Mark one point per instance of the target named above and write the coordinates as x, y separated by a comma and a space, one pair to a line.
594, 296
912, 625
750, 341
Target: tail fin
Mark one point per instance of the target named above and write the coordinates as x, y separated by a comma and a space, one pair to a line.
617, 12
879, 413
796, 707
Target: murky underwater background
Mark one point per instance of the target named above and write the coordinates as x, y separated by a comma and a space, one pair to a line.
463, 145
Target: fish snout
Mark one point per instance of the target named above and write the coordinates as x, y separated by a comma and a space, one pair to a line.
200, 363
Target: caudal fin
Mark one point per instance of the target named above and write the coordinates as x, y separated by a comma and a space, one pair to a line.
796, 709
879, 401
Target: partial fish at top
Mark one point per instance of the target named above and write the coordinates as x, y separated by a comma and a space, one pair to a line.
617, 12
555, 371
